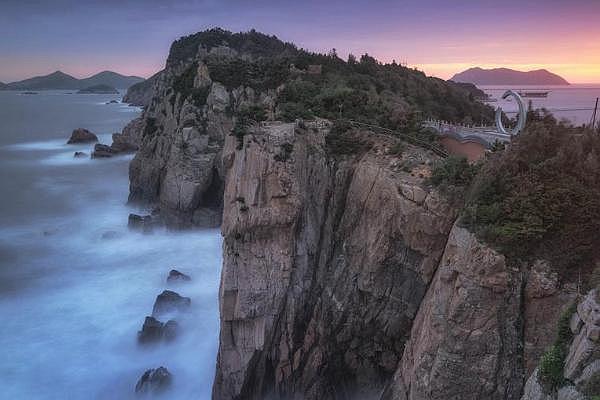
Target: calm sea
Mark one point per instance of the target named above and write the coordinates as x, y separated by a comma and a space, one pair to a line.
72, 301
574, 102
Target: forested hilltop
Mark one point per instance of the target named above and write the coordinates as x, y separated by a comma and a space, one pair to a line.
326, 86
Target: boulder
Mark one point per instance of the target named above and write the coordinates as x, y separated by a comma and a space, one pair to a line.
79, 154
140, 222
81, 135
169, 302
176, 276
154, 331
103, 151
154, 381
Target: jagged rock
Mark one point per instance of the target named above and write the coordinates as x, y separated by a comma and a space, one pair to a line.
175, 275
153, 330
79, 154
582, 364
140, 223
168, 302
154, 381
81, 135
320, 282
102, 151
112, 102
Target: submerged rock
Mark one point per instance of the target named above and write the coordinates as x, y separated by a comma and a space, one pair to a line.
154, 381
81, 135
176, 276
140, 222
110, 235
168, 302
79, 154
154, 331
103, 151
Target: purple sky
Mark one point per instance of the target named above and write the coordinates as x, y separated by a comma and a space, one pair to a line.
438, 36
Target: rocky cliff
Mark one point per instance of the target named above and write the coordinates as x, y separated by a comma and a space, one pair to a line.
346, 276
581, 369
327, 258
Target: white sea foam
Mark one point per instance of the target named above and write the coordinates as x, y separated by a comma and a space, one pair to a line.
72, 301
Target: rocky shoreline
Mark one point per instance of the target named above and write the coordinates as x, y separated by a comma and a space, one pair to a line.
345, 274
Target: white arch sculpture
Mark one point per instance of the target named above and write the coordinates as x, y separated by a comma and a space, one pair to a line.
522, 118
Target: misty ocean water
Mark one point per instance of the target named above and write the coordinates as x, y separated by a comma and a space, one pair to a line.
72, 300
574, 102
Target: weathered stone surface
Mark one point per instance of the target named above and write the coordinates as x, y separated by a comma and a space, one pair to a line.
582, 364
169, 302
154, 381
585, 348
465, 340
103, 151
154, 331
81, 135
545, 299
178, 167
326, 260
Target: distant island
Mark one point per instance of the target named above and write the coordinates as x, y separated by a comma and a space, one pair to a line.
60, 81
99, 89
505, 76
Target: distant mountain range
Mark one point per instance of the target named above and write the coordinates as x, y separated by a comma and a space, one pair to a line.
60, 80
505, 76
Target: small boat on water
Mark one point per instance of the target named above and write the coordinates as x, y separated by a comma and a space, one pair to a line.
534, 94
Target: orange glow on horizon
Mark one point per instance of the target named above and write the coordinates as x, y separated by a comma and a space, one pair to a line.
573, 73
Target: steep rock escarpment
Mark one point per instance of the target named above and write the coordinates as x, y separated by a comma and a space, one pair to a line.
346, 276
581, 371
326, 260
178, 168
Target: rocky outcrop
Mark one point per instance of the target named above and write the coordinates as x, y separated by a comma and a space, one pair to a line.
326, 261
581, 371
154, 331
346, 276
154, 381
102, 151
170, 302
465, 342
178, 168
81, 135
176, 276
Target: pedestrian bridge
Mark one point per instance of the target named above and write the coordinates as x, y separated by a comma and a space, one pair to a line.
484, 135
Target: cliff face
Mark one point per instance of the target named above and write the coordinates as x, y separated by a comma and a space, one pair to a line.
178, 168
346, 277
326, 260
581, 369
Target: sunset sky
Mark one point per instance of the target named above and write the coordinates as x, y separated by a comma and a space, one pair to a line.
440, 37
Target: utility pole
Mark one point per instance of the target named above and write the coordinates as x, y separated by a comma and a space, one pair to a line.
593, 124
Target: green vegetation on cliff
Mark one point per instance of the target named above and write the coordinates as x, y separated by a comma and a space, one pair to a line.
541, 197
552, 362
